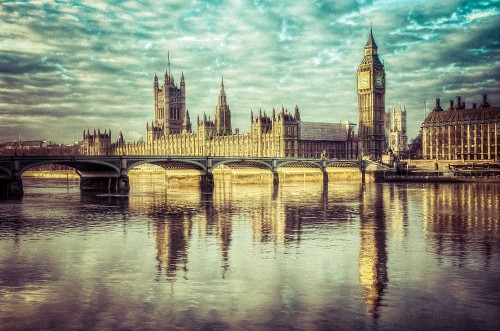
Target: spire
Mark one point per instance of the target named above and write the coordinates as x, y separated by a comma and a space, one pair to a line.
222, 94
371, 41
168, 61
186, 123
296, 114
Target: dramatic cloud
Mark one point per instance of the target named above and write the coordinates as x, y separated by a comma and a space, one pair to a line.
66, 66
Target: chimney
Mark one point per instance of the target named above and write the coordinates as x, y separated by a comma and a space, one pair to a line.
451, 105
437, 107
485, 103
473, 105
459, 102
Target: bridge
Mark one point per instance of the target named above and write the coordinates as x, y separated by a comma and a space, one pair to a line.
110, 173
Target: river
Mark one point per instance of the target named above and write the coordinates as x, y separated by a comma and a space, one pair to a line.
251, 257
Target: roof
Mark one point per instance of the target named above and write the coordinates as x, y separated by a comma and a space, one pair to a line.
323, 131
371, 42
490, 114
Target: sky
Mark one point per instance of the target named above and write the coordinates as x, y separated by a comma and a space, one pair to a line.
69, 66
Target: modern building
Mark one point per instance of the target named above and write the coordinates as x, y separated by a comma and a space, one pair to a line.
371, 103
279, 134
461, 133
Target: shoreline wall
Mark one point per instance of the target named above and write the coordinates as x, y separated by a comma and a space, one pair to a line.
240, 176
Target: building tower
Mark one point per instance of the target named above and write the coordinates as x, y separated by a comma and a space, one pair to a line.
371, 102
398, 140
222, 114
170, 105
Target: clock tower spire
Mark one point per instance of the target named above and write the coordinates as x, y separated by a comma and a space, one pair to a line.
371, 102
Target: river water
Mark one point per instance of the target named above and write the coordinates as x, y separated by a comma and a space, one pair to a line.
250, 257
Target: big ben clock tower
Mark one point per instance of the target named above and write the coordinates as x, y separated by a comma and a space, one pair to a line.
371, 102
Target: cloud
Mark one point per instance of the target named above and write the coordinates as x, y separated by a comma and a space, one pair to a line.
91, 64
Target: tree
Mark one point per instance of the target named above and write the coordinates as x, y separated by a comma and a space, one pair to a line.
415, 148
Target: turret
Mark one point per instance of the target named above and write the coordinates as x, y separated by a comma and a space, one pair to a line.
297, 114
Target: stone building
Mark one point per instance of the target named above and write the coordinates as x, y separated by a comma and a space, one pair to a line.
279, 134
96, 143
398, 140
169, 106
371, 103
461, 133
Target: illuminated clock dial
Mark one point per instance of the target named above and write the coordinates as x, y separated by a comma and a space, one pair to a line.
364, 80
379, 79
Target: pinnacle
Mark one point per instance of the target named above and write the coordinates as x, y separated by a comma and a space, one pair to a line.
371, 41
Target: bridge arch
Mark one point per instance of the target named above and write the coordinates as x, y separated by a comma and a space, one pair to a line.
342, 164
158, 162
266, 165
315, 164
5, 172
80, 165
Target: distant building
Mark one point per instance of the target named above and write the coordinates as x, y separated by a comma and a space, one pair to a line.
462, 134
398, 140
38, 148
280, 134
96, 143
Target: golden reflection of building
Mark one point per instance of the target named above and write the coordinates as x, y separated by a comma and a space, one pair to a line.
373, 255
279, 220
395, 199
172, 238
222, 216
461, 219
171, 211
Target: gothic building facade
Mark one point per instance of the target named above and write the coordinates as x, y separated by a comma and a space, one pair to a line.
97, 143
279, 134
371, 103
398, 140
461, 133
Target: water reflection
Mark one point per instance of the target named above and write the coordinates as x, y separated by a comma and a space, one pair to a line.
372, 253
462, 220
252, 256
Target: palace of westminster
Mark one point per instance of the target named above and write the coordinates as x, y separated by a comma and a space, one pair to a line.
283, 134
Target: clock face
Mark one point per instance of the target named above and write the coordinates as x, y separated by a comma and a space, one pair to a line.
379, 80
364, 80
